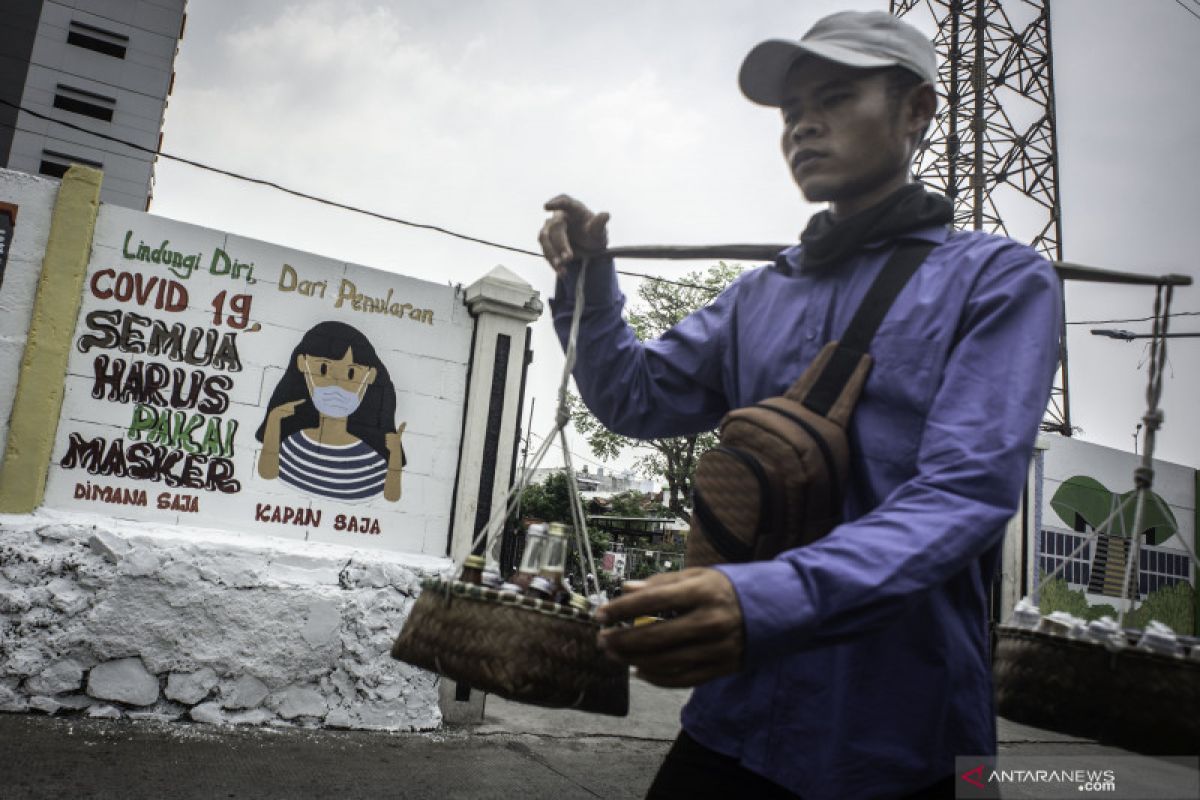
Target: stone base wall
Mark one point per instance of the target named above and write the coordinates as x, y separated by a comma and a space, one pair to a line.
117, 620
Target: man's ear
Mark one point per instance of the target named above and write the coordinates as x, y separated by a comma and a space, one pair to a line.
922, 106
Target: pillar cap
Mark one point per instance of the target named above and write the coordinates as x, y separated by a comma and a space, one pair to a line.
502, 291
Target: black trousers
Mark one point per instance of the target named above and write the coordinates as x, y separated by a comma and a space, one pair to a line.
693, 772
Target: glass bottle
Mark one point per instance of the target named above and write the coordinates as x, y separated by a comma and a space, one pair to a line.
532, 557
472, 571
556, 560
490, 578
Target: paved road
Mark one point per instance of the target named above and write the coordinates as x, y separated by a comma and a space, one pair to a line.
518, 752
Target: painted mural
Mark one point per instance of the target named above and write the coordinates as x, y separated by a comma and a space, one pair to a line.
228, 383
1085, 543
330, 426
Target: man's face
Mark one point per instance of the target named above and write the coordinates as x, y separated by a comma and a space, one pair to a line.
844, 140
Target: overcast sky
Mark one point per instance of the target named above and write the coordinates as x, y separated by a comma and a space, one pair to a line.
470, 114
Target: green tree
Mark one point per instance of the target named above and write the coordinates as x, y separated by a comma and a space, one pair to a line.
662, 306
633, 503
549, 501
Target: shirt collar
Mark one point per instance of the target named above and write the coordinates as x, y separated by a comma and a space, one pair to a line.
788, 261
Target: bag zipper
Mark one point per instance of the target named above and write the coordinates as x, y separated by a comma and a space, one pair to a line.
728, 545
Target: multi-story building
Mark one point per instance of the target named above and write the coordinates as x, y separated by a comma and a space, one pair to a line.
102, 65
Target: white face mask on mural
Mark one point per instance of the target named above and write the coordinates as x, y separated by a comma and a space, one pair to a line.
334, 401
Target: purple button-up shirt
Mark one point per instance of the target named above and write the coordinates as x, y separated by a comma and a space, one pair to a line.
867, 662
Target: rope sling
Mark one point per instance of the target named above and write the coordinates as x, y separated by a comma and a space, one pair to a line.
492, 530
515, 646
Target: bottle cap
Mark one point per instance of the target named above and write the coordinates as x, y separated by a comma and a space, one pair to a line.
540, 584
558, 529
474, 562
579, 602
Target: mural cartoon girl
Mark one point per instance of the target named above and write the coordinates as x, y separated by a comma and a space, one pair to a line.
330, 425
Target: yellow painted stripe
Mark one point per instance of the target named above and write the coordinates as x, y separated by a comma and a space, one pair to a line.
44, 365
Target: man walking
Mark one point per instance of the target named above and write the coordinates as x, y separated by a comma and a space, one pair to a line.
856, 666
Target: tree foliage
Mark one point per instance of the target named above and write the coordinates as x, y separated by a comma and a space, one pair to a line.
549, 500
636, 504
1173, 606
674, 459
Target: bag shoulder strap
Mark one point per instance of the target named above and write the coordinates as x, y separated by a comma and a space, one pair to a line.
822, 385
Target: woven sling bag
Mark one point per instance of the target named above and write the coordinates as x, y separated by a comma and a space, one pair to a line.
777, 478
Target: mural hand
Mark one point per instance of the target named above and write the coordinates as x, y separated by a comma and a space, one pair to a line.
393, 440
282, 412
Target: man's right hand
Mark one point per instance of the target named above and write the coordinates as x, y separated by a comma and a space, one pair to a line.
571, 229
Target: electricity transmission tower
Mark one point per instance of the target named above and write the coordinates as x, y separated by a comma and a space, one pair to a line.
992, 148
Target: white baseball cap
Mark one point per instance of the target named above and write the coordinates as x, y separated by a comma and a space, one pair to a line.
860, 39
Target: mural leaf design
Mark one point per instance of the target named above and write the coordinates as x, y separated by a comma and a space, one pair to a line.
1085, 497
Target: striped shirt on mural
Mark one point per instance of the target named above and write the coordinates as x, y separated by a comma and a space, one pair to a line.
341, 472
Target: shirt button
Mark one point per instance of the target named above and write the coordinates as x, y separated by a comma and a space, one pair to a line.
811, 334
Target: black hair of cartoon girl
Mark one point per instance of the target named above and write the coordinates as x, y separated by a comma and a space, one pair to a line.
330, 427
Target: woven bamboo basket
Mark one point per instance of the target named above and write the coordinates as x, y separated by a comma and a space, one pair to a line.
519, 648
1127, 697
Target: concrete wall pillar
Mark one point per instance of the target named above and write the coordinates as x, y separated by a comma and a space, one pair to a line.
39, 395
503, 305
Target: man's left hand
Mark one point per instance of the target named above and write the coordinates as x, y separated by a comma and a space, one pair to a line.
703, 641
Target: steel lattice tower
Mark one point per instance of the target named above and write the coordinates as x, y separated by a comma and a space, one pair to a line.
992, 147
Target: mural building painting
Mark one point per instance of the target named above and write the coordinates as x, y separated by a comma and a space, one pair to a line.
225, 380
1084, 551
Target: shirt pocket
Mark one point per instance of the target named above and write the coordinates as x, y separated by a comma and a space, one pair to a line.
890, 418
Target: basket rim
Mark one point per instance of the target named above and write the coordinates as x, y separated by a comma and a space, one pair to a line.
482, 594
1130, 650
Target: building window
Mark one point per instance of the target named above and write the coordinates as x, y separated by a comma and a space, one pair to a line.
1057, 547
55, 164
1159, 568
83, 102
97, 39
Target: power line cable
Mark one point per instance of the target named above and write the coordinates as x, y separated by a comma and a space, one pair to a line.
271, 184
1188, 10
576, 455
345, 206
1135, 319
316, 199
